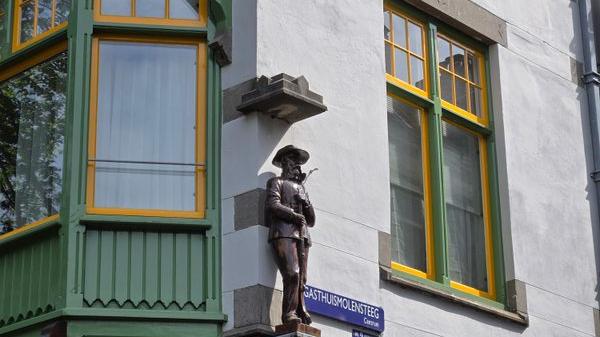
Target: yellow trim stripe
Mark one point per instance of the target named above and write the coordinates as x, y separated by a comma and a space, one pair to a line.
29, 226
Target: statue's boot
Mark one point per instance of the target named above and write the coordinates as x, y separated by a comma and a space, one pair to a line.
291, 318
305, 317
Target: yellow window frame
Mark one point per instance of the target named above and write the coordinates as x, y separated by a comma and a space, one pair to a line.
487, 216
482, 120
16, 41
165, 21
200, 142
393, 79
11, 72
429, 246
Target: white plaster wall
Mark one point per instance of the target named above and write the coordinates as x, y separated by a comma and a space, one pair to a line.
548, 199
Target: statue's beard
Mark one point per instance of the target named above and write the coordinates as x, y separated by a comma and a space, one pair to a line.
292, 176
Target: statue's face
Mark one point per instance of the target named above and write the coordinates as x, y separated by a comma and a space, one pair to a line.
290, 167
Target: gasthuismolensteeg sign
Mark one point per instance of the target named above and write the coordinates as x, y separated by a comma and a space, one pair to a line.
344, 309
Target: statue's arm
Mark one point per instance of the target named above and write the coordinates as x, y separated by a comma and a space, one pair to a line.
309, 214
273, 202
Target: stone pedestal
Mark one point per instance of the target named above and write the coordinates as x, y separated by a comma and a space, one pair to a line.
296, 330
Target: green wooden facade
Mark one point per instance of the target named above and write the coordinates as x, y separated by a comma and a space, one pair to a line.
115, 275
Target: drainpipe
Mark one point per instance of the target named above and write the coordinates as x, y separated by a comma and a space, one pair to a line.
591, 80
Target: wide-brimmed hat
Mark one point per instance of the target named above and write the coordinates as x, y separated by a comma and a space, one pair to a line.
300, 155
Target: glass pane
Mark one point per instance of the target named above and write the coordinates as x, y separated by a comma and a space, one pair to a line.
387, 33
44, 22
417, 76
150, 8
32, 114
473, 64
461, 93
388, 58
62, 11
145, 147
476, 101
399, 30
401, 64
464, 211
444, 53
116, 7
446, 86
416, 38
27, 17
406, 183
3, 22
184, 9
459, 60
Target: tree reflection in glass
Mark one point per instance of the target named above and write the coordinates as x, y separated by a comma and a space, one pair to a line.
32, 113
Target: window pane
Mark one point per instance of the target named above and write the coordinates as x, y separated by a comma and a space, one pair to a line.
461, 93
476, 102
399, 30
44, 22
183, 9
464, 211
3, 22
406, 183
401, 64
416, 38
473, 64
417, 75
387, 34
27, 17
32, 114
446, 86
444, 53
62, 11
150, 8
388, 59
116, 7
459, 60
146, 124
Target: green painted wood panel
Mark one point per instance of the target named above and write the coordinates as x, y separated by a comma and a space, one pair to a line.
143, 270
29, 278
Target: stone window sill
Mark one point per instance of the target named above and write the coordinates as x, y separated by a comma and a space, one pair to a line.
387, 274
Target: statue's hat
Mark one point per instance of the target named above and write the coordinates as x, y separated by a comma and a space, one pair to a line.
300, 155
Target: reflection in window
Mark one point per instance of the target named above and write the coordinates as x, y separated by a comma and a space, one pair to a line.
464, 207
37, 17
145, 155
460, 74
404, 44
32, 113
406, 184
161, 9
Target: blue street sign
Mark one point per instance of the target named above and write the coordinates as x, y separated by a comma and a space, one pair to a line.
344, 309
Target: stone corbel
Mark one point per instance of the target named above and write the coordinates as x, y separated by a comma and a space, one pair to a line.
283, 97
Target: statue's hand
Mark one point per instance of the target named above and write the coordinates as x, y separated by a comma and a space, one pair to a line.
299, 220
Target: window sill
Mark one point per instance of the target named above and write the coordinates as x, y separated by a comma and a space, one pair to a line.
387, 274
144, 222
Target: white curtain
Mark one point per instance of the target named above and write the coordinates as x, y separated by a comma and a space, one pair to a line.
406, 183
464, 211
146, 123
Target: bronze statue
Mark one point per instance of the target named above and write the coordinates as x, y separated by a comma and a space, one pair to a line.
288, 213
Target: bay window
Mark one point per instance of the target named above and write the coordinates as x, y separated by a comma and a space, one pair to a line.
146, 151
32, 122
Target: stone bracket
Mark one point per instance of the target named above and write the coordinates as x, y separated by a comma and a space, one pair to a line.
283, 97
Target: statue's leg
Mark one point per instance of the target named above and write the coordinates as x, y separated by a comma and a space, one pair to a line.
286, 256
302, 312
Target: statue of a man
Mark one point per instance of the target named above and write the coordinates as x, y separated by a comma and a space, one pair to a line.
288, 213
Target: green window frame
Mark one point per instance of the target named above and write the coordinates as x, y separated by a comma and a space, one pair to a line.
457, 201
